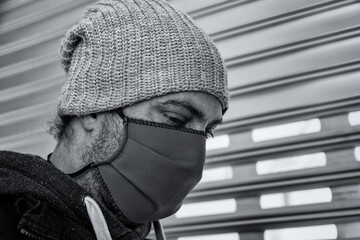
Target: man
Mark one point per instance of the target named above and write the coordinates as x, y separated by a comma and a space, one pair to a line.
144, 88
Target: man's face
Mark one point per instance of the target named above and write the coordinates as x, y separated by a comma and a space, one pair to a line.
196, 110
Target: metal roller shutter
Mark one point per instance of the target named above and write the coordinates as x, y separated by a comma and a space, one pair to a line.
30, 73
285, 164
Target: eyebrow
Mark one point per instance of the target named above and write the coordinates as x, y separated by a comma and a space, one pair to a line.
191, 109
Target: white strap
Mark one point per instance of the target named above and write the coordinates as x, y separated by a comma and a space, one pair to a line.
159, 232
97, 219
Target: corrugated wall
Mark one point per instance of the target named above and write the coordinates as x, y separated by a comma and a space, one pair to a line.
288, 153
30, 72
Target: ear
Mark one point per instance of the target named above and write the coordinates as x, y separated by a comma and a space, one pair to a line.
89, 122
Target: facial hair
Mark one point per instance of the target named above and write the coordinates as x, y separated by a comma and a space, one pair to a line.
105, 143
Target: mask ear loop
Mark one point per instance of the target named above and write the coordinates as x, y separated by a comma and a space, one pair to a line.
81, 171
123, 116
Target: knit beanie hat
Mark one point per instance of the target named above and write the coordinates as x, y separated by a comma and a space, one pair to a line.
127, 51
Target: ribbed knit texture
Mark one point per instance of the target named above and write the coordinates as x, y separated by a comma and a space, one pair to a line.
126, 51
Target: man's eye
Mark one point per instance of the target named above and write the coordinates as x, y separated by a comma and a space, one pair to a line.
176, 119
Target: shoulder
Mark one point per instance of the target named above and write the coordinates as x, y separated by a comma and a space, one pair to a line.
15, 156
18, 172
19, 161
25, 176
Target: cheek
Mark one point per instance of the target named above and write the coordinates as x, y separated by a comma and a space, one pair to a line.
107, 142
156, 116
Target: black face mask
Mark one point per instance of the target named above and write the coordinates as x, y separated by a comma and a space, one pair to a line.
154, 169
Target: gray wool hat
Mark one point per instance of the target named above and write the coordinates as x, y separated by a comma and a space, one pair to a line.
127, 51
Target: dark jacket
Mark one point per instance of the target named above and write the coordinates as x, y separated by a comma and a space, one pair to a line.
37, 201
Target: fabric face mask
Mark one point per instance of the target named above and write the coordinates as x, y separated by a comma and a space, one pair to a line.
154, 169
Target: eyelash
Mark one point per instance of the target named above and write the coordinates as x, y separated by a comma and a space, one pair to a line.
181, 123
178, 122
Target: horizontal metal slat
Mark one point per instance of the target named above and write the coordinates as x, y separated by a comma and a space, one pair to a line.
205, 7
17, 129
22, 139
292, 114
57, 22
39, 11
321, 143
29, 88
327, 180
41, 146
43, 49
33, 121
27, 99
296, 63
264, 223
331, 126
35, 142
27, 65
189, 5
253, 171
20, 115
213, 9
320, 73
11, 5
347, 230
297, 95
248, 209
25, 74
302, 45
29, 11
32, 41
295, 31
225, 30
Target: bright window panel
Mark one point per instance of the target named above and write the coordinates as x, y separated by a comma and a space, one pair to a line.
354, 118
217, 174
357, 153
303, 233
218, 142
207, 208
296, 198
223, 236
286, 130
275, 200
293, 163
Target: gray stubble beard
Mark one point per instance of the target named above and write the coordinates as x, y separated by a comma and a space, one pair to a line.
107, 142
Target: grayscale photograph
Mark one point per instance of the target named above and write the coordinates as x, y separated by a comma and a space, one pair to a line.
179, 120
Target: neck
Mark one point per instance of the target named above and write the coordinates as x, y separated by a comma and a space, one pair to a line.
66, 160
89, 180
92, 182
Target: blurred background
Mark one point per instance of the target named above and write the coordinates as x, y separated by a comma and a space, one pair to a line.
284, 165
